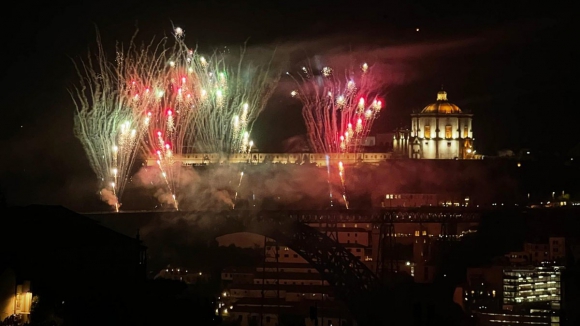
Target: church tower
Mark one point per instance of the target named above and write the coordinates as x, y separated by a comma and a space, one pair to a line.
441, 131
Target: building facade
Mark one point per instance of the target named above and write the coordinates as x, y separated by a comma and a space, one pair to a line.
525, 287
440, 131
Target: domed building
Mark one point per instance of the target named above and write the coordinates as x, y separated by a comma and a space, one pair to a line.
440, 131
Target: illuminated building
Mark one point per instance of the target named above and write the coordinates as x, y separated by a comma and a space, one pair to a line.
424, 200
552, 252
319, 159
39, 246
289, 285
514, 295
15, 299
285, 284
525, 287
440, 131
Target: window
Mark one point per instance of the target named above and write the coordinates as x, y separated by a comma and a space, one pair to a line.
427, 132
465, 132
448, 133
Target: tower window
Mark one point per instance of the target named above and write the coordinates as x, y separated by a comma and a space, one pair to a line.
448, 133
465, 132
427, 132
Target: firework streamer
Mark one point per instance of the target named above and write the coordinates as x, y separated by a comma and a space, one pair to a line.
338, 108
104, 121
328, 180
165, 88
234, 92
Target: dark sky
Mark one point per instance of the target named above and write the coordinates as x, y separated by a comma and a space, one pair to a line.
510, 63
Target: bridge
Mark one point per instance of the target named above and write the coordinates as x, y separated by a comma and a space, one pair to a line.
353, 282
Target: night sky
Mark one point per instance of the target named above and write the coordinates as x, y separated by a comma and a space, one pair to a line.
510, 63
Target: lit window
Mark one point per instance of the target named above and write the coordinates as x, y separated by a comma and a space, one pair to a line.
427, 132
465, 132
448, 133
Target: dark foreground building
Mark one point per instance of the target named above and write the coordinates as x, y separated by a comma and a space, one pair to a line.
64, 266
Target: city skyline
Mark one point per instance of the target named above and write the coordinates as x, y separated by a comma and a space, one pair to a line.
497, 63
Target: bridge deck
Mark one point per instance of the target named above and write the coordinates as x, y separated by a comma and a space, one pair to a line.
386, 215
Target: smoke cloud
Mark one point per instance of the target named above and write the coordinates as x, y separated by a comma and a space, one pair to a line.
306, 186
108, 197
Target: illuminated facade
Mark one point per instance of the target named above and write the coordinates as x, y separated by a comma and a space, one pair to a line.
525, 287
291, 286
286, 284
534, 286
278, 158
440, 131
15, 299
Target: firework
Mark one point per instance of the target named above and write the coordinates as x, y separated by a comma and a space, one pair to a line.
164, 89
234, 92
170, 99
338, 108
104, 122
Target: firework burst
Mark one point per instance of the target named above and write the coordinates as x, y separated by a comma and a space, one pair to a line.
234, 92
104, 122
338, 108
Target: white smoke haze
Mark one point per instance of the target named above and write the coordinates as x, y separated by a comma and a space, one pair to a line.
294, 186
109, 197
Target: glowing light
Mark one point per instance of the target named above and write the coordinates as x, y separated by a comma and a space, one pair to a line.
361, 103
294, 93
202, 103
179, 31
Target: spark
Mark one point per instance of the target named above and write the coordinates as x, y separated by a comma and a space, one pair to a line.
179, 32
103, 119
166, 99
329, 119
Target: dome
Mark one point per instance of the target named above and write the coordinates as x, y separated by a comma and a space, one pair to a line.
442, 106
